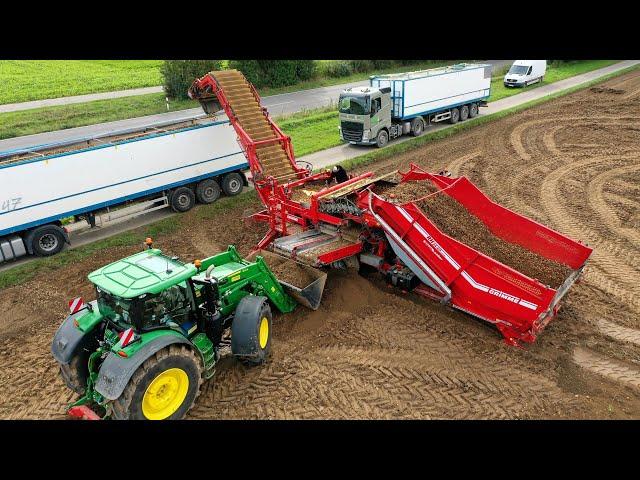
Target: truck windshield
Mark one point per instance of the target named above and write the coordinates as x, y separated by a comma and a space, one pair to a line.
519, 69
114, 308
354, 105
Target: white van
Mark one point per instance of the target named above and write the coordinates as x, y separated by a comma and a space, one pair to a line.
525, 72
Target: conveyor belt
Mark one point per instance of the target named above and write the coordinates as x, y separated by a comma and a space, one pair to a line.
273, 158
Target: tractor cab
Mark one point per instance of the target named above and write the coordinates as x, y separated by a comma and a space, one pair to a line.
149, 291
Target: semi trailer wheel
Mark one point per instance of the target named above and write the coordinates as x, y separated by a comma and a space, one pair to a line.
208, 191
182, 199
232, 184
251, 330
464, 113
417, 126
164, 387
455, 115
382, 139
473, 110
47, 240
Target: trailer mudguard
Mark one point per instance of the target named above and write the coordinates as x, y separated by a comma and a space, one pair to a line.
116, 371
69, 337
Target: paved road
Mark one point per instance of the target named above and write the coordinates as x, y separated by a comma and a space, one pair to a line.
277, 105
334, 155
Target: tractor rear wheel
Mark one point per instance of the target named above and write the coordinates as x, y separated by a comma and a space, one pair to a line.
164, 387
75, 374
251, 330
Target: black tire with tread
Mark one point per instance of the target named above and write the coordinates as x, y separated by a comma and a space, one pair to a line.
417, 126
382, 138
455, 116
75, 374
208, 191
464, 112
245, 330
40, 232
182, 194
129, 405
473, 110
228, 181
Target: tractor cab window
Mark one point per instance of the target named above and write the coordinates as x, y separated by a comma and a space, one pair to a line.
116, 309
170, 305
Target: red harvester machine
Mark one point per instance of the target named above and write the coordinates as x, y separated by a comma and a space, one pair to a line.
325, 224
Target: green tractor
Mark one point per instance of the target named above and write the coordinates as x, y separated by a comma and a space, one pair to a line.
157, 328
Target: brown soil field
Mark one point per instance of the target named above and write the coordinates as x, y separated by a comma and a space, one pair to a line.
370, 352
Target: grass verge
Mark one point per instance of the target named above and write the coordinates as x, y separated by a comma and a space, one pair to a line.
23, 273
26, 80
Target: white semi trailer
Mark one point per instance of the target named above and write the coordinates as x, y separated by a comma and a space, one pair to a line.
405, 103
93, 181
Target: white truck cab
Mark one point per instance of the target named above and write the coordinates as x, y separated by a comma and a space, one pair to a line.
525, 72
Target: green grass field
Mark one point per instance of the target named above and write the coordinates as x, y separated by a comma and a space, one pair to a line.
25, 80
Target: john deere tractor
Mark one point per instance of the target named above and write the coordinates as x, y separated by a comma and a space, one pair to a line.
157, 328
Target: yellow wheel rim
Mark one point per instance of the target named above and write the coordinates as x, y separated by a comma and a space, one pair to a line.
165, 394
264, 332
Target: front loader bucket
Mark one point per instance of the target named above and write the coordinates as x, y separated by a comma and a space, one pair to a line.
304, 283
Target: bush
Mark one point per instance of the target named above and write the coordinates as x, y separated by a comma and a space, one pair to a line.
384, 63
178, 75
339, 68
275, 73
360, 66
251, 70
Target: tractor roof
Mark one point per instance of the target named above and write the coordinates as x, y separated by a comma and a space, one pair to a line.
144, 272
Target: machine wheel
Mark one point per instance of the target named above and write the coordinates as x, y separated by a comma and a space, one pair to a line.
251, 330
208, 191
382, 139
182, 199
232, 184
76, 373
455, 115
47, 240
473, 110
464, 113
417, 126
164, 387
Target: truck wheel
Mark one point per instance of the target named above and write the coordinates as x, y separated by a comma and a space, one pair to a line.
182, 199
417, 126
473, 110
251, 330
164, 387
464, 113
455, 115
208, 191
232, 184
47, 240
382, 139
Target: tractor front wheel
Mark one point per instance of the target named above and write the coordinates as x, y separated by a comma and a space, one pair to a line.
251, 330
165, 387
